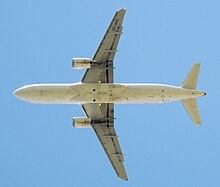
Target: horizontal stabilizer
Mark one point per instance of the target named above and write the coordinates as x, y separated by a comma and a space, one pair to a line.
192, 109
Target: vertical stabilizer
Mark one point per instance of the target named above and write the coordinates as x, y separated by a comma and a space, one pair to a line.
192, 78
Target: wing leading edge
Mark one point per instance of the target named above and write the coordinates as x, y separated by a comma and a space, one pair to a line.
105, 131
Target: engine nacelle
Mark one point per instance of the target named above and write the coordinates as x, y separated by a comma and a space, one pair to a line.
82, 122
83, 63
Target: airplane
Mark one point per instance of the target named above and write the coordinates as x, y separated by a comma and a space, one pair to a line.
97, 93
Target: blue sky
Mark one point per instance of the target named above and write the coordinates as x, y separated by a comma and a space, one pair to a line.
160, 43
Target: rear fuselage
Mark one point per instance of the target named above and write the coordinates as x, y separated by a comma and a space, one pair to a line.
81, 93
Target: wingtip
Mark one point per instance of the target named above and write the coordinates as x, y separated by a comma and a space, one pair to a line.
197, 64
122, 9
199, 124
124, 178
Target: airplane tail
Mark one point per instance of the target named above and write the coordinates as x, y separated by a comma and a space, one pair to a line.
190, 104
192, 109
192, 78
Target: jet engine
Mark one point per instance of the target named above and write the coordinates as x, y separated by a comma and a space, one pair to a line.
83, 63
82, 122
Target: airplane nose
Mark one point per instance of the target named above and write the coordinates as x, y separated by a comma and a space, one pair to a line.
17, 92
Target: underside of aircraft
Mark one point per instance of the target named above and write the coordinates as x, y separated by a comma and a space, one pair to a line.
97, 93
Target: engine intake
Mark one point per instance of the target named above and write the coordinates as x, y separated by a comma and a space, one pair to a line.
82, 122
83, 63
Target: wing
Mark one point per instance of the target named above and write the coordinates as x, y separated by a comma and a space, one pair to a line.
106, 52
103, 126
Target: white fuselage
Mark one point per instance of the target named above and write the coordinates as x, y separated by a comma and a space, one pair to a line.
81, 93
